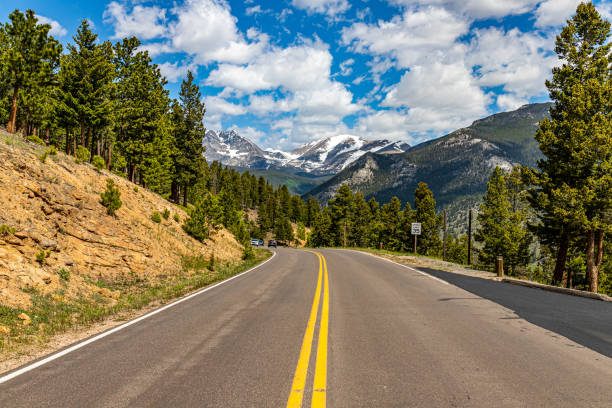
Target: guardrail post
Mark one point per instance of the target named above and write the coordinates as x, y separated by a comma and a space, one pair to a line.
499, 266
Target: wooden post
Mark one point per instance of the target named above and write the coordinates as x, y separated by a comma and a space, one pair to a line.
499, 266
415, 244
469, 244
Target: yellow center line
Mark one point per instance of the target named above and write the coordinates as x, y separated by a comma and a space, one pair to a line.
301, 371
320, 378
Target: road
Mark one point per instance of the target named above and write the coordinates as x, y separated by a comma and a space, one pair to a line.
342, 329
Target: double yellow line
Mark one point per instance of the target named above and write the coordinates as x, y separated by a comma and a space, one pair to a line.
301, 371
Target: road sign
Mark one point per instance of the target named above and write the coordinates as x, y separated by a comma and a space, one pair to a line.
416, 228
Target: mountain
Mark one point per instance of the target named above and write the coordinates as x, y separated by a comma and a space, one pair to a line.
301, 169
456, 166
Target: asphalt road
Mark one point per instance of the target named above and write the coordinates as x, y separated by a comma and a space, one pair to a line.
347, 330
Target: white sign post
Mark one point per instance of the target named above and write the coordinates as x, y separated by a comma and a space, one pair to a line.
415, 231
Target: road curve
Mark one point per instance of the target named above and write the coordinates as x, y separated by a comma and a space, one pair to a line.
388, 336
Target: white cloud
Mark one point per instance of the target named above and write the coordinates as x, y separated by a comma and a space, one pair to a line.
250, 11
143, 22
329, 7
508, 102
173, 71
157, 48
207, 30
56, 28
478, 9
555, 12
411, 38
217, 105
605, 9
346, 67
520, 62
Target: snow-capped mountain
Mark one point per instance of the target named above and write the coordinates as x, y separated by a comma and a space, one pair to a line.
326, 156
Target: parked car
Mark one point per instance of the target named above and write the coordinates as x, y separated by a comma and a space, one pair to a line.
272, 243
255, 242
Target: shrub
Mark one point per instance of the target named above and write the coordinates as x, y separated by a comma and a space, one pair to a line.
50, 151
36, 140
135, 189
206, 214
177, 218
82, 154
111, 198
64, 274
98, 162
248, 252
211, 262
155, 217
119, 165
6, 230
166, 214
41, 257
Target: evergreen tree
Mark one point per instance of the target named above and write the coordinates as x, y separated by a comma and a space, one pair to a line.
341, 209
29, 59
573, 183
391, 219
428, 243
188, 116
502, 223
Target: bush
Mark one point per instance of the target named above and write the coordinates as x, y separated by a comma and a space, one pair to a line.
82, 154
155, 217
248, 252
64, 274
177, 218
41, 257
50, 151
211, 262
98, 162
111, 198
206, 214
119, 165
6, 230
166, 214
36, 140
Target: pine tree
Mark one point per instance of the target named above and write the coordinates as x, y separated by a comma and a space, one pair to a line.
391, 220
502, 221
428, 243
188, 115
573, 183
29, 58
341, 209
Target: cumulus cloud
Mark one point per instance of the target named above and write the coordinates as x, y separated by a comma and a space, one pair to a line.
142, 21
409, 39
207, 30
478, 9
56, 28
508, 102
329, 7
519, 62
174, 71
555, 12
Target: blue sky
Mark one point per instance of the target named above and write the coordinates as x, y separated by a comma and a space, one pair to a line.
285, 72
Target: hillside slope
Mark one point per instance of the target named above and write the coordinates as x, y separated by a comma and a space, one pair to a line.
55, 207
455, 166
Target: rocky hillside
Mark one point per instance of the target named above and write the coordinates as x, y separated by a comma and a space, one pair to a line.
54, 233
456, 166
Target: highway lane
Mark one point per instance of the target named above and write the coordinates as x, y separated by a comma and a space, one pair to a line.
353, 330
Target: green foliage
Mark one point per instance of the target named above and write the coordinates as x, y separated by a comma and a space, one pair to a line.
36, 140
119, 165
206, 215
572, 187
211, 262
156, 217
166, 213
64, 274
456, 249
176, 218
503, 222
6, 230
41, 257
428, 243
82, 154
111, 198
98, 162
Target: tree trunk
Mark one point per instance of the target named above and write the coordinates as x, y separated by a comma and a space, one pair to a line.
559, 271
11, 126
592, 270
185, 196
174, 192
109, 161
82, 135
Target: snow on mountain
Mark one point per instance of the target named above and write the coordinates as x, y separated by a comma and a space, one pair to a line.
324, 156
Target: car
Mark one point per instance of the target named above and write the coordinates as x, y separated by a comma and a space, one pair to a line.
255, 242
272, 243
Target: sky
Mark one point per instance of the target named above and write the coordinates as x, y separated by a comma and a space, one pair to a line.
285, 72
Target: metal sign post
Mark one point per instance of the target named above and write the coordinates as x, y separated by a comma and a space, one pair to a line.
415, 230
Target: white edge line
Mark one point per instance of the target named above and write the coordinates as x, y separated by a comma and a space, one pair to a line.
402, 265
77, 346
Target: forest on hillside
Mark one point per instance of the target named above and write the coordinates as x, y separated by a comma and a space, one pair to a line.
107, 103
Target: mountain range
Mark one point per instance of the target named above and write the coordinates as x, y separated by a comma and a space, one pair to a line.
456, 166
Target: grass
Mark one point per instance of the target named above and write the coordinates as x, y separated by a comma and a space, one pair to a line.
53, 313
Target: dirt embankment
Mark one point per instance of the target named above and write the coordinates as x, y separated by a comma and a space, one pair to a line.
55, 227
